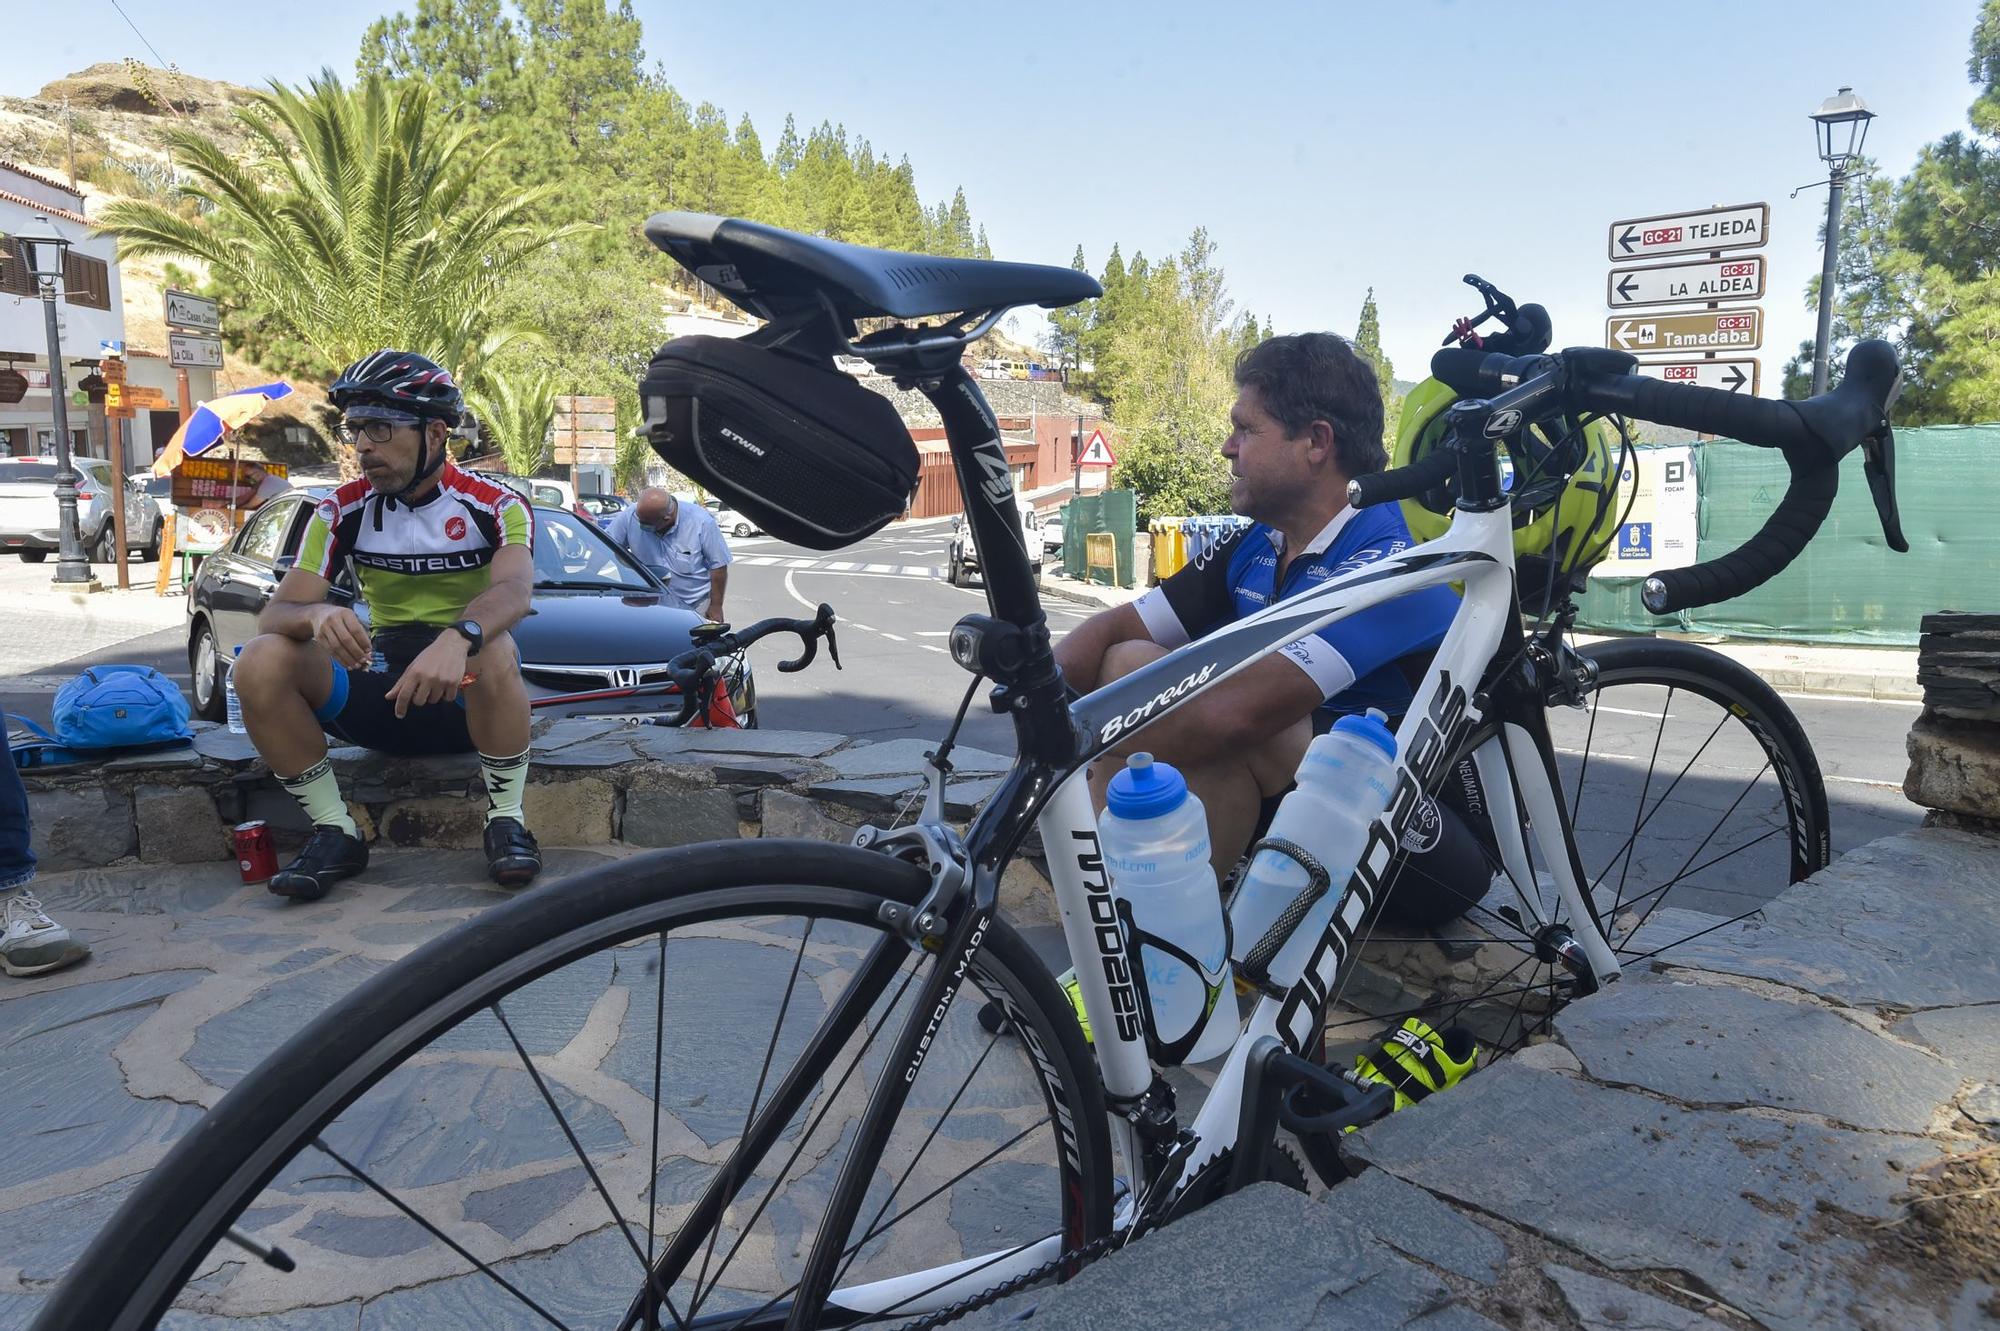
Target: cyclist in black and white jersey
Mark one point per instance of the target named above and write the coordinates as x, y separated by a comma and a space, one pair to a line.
1307, 418
445, 562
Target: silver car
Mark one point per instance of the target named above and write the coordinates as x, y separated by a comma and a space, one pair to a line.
30, 519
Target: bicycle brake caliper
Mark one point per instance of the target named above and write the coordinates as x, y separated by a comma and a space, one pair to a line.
939, 850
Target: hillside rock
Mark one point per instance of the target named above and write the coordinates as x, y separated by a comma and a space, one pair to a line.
111, 86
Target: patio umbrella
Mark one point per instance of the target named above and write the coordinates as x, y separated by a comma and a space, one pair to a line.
215, 420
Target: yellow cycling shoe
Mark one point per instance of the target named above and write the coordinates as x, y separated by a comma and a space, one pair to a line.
1418, 1061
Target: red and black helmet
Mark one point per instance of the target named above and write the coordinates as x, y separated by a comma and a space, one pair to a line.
401, 381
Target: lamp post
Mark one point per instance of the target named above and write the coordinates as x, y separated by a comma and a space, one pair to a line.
1842, 126
44, 246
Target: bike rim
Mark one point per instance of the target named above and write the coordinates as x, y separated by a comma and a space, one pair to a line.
973, 1174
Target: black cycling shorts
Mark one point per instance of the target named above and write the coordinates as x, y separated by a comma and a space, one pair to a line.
358, 710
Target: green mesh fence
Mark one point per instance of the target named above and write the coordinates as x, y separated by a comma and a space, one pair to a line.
1115, 511
1848, 587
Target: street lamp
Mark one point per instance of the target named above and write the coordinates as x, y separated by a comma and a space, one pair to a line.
43, 247
1842, 126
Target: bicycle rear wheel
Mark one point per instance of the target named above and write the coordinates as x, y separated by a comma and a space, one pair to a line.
1693, 797
610, 1103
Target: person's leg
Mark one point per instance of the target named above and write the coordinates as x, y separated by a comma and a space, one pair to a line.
497, 717
289, 691
1232, 790
30, 942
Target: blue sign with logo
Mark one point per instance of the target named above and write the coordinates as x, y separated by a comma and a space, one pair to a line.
1635, 540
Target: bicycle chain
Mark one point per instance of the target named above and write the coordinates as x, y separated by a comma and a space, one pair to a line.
1090, 1252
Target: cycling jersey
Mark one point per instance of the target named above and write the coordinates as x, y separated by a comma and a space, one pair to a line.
422, 561
1352, 660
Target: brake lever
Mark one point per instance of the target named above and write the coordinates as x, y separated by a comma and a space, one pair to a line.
824, 623
1878, 462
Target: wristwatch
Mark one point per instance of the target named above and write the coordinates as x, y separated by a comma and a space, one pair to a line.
474, 636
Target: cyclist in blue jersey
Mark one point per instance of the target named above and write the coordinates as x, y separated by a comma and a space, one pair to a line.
1307, 418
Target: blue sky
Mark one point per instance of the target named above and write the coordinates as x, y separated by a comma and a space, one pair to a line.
1327, 147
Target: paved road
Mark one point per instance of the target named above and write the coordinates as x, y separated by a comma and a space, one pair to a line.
899, 681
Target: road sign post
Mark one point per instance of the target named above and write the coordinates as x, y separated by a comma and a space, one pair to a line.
1680, 332
1738, 375
1743, 226
1700, 281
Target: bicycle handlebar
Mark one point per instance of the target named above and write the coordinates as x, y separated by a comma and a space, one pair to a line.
1813, 436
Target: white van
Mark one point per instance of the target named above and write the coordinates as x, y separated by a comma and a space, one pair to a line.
963, 561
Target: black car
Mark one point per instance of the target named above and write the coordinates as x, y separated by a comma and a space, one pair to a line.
600, 619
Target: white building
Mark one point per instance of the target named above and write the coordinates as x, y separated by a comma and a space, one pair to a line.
90, 310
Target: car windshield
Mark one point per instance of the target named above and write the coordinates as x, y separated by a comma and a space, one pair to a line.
27, 473
570, 552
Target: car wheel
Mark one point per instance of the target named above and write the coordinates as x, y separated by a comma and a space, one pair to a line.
150, 551
953, 574
104, 550
33, 556
205, 674
742, 530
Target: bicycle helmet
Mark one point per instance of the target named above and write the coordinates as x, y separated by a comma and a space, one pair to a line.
1563, 487
395, 384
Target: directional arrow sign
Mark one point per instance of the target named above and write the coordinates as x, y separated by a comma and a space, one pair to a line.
1731, 376
1743, 226
1704, 330
1740, 278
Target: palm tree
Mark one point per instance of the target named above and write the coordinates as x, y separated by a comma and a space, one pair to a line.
516, 411
358, 223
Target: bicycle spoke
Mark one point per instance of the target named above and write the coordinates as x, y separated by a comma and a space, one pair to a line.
320, 1145
1697, 869
1724, 924
1683, 872
1589, 732
653, 1177
756, 1096
1640, 808
1660, 804
562, 1120
832, 1097
929, 1137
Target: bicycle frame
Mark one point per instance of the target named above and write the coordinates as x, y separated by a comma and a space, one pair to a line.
1057, 739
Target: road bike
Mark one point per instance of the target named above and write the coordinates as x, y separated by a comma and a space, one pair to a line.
745, 1084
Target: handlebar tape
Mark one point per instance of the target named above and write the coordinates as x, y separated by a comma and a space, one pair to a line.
1382, 487
1813, 435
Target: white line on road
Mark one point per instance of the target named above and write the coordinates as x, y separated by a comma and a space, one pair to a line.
933, 633
892, 637
1864, 781
929, 648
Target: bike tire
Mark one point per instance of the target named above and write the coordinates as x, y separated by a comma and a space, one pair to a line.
136, 1266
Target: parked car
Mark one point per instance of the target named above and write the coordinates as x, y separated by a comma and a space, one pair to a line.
599, 507
730, 521
30, 521
160, 489
1052, 534
963, 561
600, 619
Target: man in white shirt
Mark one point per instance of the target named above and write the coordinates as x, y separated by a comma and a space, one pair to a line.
662, 532
268, 486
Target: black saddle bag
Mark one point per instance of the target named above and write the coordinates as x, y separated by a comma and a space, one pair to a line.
808, 453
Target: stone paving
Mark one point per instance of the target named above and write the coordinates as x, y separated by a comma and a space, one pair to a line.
1731, 1141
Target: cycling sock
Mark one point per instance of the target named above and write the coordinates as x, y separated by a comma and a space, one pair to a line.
506, 782
318, 792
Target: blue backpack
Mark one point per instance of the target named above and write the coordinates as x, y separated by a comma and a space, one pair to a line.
120, 706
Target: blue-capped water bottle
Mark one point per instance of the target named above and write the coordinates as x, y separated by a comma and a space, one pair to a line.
1154, 836
1344, 784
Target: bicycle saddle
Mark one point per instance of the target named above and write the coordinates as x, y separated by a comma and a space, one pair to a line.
772, 272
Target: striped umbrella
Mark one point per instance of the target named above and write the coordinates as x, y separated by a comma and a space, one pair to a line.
215, 420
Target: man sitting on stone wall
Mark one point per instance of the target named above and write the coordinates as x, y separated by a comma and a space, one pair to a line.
446, 565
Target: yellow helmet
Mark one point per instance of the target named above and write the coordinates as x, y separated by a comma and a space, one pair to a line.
1562, 480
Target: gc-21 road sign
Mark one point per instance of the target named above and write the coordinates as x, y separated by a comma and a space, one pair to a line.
1740, 329
1731, 376
1700, 280
1743, 226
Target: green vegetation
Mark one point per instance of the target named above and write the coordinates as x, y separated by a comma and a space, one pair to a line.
1918, 263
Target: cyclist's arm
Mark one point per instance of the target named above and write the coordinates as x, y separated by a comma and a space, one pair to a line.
1233, 716
1193, 601
505, 601
300, 603
1081, 654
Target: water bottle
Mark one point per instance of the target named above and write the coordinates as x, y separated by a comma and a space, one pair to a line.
1154, 836
231, 704
1343, 786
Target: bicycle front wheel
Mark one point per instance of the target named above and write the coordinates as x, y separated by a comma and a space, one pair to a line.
618, 1103
1693, 797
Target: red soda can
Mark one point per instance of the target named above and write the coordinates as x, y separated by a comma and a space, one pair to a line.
256, 855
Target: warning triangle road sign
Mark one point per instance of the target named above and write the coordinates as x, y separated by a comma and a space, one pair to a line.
1096, 453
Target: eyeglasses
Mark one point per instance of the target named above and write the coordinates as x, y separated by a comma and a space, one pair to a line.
375, 429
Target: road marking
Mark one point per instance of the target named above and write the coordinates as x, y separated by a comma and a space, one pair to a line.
929, 648
1864, 781
892, 637
858, 624
933, 633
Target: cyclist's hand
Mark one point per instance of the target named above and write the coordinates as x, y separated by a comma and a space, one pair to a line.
435, 676
340, 631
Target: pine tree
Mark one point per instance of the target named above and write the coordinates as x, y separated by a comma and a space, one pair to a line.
1368, 342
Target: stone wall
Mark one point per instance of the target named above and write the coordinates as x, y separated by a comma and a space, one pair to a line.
593, 780
1955, 744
